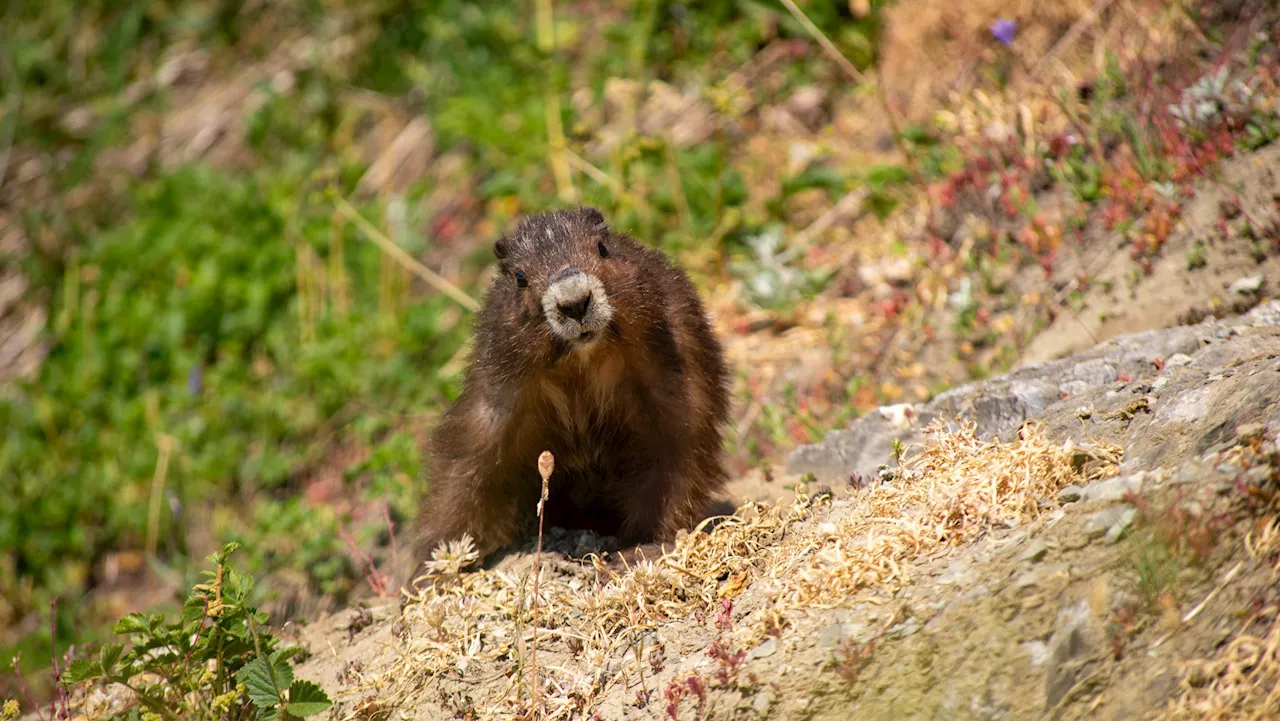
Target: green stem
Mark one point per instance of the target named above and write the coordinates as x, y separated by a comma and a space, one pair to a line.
155, 705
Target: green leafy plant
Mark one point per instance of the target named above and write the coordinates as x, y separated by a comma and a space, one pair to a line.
216, 661
772, 277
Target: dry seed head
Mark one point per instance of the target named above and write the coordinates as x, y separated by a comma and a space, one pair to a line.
451, 557
546, 464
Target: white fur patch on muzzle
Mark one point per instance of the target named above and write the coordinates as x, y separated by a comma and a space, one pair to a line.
576, 306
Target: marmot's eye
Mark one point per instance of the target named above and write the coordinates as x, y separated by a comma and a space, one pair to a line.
521, 281
604, 252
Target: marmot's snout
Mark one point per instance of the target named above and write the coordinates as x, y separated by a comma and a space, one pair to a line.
576, 305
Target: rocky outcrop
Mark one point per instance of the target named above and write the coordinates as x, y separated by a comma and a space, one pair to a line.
1179, 390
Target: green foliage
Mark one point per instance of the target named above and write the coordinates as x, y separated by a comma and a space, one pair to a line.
772, 277
1155, 567
184, 322
1196, 257
214, 662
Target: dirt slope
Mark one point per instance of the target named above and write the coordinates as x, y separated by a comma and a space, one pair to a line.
1213, 235
1071, 570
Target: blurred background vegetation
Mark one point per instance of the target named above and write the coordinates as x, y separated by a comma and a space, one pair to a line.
204, 337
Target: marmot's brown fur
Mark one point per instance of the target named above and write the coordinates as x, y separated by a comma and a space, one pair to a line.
594, 347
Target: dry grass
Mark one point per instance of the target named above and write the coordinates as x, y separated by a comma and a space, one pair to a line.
473, 628
1242, 681
956, 488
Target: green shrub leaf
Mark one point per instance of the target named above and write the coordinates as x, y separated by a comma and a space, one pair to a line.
81, 670
261, 689
306, 699
132, 623
111, 654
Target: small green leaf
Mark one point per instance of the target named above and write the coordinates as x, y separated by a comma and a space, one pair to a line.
111, 653
306, 699
132, 623
283, 670
220, 557
258, 684
881, 175
82, 670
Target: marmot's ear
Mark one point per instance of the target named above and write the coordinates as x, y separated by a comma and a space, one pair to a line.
500, 249
594, 218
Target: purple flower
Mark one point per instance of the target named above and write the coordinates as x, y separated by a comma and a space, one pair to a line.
1003, 30
195, 380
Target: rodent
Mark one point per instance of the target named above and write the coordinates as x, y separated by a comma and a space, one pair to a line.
598, 349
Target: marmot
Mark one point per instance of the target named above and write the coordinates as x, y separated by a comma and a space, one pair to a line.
596, 348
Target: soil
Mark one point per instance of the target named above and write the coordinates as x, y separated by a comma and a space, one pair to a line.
1119, 301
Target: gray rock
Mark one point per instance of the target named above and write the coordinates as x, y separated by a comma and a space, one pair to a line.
1120, 528
1186, 406
762, 702
1112, 489
1265, 314
1248, 285
1072, 388
1188, 473
998, 406
1099, 524
906, 628
1177, 360
1033, 578
832, 636
1079, 634
955, 572
766, 649
1070, 494
1035, 552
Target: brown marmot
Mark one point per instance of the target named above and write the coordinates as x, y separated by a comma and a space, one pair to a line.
596, 348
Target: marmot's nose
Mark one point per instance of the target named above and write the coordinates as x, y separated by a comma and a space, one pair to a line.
577, 309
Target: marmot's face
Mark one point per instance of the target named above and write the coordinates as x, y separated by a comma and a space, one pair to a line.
556, 269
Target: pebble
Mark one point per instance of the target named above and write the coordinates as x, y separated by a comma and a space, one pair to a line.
1112, 489
1037, 651
1035, 552
906, 629
1248, 285
1070, 494
955, 572
835, 634
1120, 528
1250, 431
1100, 524
1033, 578
1177, 360
766, 649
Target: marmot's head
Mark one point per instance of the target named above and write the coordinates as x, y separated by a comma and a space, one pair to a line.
561, 275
